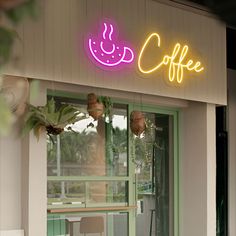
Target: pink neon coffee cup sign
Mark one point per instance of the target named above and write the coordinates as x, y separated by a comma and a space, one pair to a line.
106, 50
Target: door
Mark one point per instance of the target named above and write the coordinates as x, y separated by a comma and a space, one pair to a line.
155, 175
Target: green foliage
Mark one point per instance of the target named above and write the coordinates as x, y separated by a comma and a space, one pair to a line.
106, 101
6, 41
142, 152
16, 14
50, 118
80, 149
119, 140
74, 147
6, 117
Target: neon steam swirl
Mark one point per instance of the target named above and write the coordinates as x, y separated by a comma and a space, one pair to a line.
107, 51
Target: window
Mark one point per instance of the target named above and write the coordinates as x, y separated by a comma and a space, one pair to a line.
100, 169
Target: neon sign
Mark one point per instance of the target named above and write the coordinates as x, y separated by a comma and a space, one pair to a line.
175, 61
106, 50
109, 53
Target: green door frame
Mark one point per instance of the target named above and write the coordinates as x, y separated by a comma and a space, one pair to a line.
175, 114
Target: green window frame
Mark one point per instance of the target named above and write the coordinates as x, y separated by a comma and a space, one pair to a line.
130, 178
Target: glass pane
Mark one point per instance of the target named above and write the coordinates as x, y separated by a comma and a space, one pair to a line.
66, 192
107, 224
154, 171
82, 193
91, 147
117, 142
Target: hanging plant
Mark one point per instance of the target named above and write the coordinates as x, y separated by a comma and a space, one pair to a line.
99, 106
11, 13
14, 11
7, 37
51, 119
137, 122
144, 144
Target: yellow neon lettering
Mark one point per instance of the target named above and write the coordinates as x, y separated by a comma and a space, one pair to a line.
197, 65
142, 50
175, 61
190, 62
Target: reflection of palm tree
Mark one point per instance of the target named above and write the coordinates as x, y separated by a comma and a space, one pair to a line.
84, 154
76, 148
119, 140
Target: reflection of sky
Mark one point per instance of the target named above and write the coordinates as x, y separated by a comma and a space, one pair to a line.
81, 125
117, 121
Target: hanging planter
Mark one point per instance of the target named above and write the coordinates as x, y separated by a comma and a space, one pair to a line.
137, 122
99, 107
49, 118
95, 108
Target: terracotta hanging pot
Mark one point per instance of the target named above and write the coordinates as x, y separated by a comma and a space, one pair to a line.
95, 108
137, 122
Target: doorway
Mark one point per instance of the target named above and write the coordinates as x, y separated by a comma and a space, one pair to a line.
154, 175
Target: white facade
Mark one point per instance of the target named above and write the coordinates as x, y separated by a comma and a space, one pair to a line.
52, 50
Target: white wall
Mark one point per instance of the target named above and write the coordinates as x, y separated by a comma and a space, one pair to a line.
232, 152
34, 179
10, 182
23, 182
48, 50
197, 171
12, 233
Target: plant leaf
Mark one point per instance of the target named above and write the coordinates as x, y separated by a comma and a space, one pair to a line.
6, 42
38, 129
51, 106
52, 118
16, 14
67, 114
48, 115
29, 125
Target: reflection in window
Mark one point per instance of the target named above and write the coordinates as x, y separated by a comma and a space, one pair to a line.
88, 149
87, 193
106, 224
154, 162
91, 148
